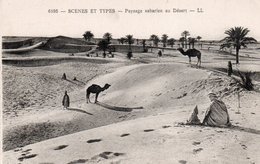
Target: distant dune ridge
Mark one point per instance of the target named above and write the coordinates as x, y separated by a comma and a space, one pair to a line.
67, 45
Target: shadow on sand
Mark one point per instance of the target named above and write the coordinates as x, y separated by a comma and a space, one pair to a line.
71, 81
79, 110
80, 82
117, 108
244, 129
232, 127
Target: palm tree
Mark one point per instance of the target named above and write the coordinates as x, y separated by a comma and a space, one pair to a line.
88, 35
155, 40
130, 41
182, 40
137, 41
191, 42
171, 42
185, 34
164, 39
237, 38
103, 45
198, 38
189, 39
107, 36
144, 44
121, 40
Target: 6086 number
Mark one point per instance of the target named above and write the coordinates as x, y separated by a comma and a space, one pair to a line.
53, 11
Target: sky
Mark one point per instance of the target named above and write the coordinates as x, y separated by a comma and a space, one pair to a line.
31, 18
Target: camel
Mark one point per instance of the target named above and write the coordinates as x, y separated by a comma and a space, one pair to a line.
191, 53
94, 88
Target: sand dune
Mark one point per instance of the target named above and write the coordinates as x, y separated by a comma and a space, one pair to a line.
151, 100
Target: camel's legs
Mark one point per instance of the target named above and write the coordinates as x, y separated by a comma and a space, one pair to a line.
96, 97
87, 96
199, 62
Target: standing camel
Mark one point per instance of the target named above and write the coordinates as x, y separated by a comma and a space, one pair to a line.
191, 53
95, 89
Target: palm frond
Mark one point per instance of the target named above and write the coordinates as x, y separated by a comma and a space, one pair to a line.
247, 40
225, 45
243, 32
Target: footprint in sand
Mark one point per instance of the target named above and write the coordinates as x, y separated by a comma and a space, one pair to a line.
78, 161
106, 155
27, 157
243, 146
166, 126
27, 150
182, 161
98, 158
60, 147
18, 149
94, 140
219, 131
195, 151
148, 130
195, 143
124, 135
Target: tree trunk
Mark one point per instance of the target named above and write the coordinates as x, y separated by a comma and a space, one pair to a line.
130, 48
237, 55
104, 54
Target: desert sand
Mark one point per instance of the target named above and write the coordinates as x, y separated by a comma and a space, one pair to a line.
138, 119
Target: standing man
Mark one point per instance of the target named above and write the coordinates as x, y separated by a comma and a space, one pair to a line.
66, 101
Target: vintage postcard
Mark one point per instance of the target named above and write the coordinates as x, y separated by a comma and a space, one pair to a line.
130, 81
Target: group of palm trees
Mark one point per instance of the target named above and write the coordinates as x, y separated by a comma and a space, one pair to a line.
185, 40
236, 38
164, 39
106, 40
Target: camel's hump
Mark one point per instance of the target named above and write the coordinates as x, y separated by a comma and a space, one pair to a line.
94, 86
193, 50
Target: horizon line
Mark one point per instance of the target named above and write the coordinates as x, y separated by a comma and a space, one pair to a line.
51, 36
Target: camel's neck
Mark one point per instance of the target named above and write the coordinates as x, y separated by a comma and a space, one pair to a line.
104, 88
183, 52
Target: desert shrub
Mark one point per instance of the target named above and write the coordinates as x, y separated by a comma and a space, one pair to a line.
246, 80
129, 55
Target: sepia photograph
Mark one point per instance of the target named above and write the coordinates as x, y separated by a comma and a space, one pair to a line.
130, 82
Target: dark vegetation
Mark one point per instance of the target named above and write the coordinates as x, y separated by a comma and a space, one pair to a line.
246, 80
